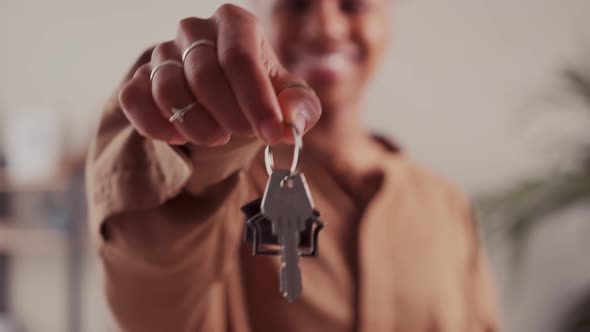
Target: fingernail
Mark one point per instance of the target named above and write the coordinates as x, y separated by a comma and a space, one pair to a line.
270, 130
300, 121
223, 140
177, 140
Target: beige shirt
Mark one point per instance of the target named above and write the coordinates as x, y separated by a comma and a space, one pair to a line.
402, 255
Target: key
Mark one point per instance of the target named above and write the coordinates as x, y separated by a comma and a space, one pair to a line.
287, 204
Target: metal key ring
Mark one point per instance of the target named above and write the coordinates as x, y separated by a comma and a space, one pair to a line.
269, 159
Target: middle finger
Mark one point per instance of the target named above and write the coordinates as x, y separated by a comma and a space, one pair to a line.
205, 76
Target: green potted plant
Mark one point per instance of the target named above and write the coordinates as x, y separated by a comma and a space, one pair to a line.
517, 211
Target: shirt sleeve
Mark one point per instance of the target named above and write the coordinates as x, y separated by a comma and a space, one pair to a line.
480, 290
165, 222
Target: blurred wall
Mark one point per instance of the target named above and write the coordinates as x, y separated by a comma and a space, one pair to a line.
458, 72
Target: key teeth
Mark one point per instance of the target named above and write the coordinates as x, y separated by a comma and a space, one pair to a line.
289, 298
290, 294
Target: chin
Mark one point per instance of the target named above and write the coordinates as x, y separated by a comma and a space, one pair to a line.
335, 95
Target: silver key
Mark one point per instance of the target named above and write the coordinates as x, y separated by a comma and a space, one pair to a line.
287, 204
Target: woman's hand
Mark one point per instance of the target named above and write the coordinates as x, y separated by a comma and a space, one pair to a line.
232, 74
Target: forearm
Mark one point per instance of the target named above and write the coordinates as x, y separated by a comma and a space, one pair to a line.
164, 266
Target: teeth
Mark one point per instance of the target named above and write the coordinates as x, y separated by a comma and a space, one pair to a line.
332, 61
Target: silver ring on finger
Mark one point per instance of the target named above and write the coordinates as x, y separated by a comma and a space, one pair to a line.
178, 113
200, 42
163, 64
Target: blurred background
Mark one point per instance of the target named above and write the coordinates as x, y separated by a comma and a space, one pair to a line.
494, 95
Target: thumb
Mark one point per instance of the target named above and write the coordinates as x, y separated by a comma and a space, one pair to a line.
299, 104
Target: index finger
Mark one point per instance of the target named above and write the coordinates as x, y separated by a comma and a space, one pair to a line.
242, 60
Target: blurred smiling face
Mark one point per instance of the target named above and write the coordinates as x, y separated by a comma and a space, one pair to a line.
333, 44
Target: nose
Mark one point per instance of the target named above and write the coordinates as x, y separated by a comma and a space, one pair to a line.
325, 24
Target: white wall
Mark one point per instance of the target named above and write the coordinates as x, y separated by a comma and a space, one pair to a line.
458, 75
461, 69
